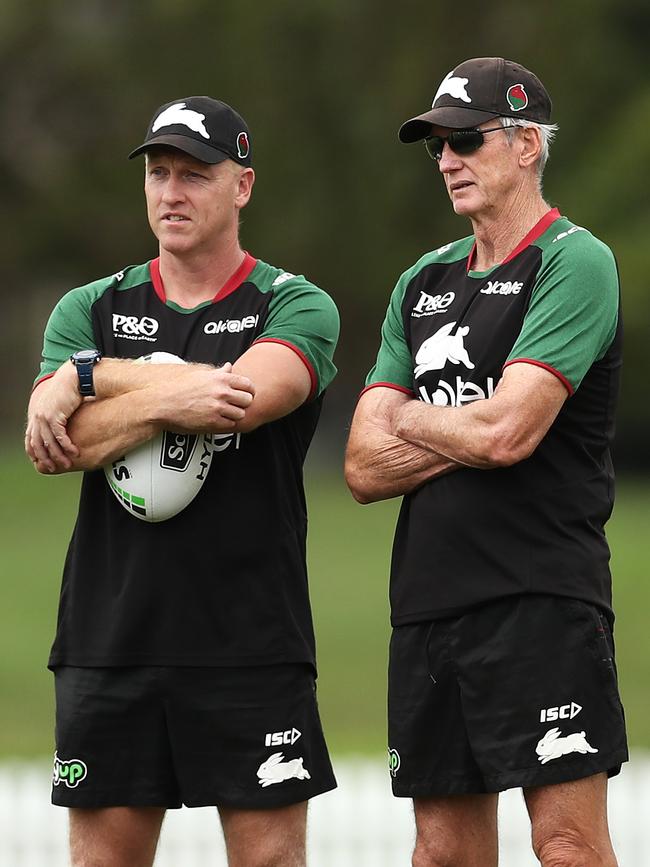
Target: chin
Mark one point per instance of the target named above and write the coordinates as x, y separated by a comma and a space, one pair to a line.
466, 206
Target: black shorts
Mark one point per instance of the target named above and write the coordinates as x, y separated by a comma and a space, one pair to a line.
519, 692
246, 737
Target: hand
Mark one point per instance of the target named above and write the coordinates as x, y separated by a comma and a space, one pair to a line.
197, 398
52, 403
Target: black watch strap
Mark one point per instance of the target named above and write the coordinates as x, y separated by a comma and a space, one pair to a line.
85, 360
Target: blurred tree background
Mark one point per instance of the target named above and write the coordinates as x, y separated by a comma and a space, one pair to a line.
324, 86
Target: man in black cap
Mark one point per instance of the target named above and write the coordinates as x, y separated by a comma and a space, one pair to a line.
184, 654
490, 408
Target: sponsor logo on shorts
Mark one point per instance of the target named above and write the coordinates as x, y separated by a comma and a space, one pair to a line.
276, 770
277, 739
69, 771
132, 328
563, 711
552, 746
394, 762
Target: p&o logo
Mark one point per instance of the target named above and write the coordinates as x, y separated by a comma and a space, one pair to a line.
429, 305
134, 328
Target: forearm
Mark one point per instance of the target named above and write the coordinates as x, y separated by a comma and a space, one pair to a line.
497, 432
379, 465
469, 435
105, 429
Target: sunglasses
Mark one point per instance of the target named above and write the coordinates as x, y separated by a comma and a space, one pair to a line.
461, 141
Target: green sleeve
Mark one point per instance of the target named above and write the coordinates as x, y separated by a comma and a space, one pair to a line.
69, 328
305, 317
573, 313
394, 364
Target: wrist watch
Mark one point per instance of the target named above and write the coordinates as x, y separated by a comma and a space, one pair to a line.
85, 360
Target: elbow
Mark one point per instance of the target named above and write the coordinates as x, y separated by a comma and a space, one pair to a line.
359, 483
504, 448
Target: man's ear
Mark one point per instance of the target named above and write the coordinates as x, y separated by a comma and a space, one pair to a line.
531, 145
245, 183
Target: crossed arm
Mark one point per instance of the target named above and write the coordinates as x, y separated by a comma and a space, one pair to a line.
397, 443
135, 401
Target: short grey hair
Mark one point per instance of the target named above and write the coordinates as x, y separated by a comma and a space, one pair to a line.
547, 134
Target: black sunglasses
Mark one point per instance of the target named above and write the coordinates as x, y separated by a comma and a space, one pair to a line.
461, 141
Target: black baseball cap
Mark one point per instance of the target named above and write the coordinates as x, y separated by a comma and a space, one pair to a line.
207, 129
478, 90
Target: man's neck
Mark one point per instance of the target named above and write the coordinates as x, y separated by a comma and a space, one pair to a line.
498, 234
189, 280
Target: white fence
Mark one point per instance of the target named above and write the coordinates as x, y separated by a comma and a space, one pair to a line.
358, 825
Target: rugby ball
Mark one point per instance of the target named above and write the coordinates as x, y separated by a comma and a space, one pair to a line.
160, 478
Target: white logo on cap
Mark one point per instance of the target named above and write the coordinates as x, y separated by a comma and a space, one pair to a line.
178, 113
455, 87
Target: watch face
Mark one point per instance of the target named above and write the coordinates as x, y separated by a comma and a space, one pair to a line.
86, 355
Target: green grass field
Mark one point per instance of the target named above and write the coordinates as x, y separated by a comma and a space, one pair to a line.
349, 548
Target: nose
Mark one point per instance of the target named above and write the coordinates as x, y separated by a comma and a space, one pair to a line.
173, 190
449, 161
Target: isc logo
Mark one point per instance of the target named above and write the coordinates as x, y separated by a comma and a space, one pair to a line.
565, 711
277, 739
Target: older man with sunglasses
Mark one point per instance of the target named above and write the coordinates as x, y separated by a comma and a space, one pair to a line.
490, 409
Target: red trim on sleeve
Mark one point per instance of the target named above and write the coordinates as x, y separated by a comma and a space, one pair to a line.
538, 229
565, 382
38, 382
387, 385
232, 283
301, 355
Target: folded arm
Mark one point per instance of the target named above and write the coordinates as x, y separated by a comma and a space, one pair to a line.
379, 464
135, 401
486, 434
397, 443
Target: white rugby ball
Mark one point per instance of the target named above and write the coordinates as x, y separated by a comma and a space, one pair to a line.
158, 479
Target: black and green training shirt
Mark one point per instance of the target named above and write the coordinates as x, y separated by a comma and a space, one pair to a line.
537, 526
224, 582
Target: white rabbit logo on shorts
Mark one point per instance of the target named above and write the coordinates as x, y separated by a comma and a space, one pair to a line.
275, 770
552, 746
